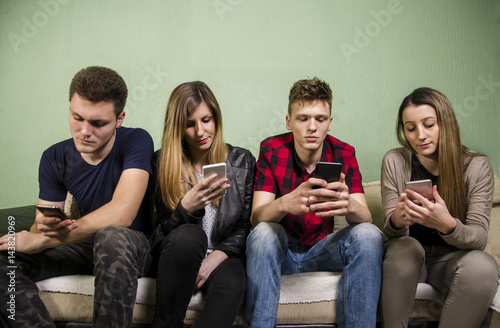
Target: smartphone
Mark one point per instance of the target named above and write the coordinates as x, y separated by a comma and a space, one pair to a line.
52, 210
328, 171
219, 168
423, 187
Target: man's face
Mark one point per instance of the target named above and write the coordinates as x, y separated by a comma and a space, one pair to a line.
310, 123
93, 127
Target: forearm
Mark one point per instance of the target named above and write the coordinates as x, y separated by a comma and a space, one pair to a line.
270, 212
357, 212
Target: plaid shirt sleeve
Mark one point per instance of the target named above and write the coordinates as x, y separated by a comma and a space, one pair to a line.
264, 176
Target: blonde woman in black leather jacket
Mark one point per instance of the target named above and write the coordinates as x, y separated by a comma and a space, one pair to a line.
204, 221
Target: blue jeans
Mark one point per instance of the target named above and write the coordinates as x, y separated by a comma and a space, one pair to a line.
356, 251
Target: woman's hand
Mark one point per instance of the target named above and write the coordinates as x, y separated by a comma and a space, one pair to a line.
398, 217
208, 265
204, 193
434, 215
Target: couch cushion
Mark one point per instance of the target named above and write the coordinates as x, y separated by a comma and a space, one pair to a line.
304, 298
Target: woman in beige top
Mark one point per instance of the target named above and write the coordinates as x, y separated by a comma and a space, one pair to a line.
438, 241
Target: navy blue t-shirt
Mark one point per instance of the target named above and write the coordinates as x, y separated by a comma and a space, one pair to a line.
62, 169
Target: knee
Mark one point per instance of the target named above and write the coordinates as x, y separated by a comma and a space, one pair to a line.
266, 236
187, 240
477, 266
370, 238
405, 254
111, 237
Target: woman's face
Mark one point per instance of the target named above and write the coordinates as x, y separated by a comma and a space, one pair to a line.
422, 130
200, 130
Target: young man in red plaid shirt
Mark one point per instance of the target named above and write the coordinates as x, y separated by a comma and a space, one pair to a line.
293, 222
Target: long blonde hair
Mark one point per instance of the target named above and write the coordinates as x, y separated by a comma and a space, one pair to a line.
176, 173
453, 157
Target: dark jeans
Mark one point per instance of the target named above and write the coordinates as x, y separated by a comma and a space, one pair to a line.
117, 258
180, 259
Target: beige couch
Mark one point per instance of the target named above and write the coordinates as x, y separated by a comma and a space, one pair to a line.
306, 300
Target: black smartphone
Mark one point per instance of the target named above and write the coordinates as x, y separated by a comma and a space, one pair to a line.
52, 210
423, 187
328, 171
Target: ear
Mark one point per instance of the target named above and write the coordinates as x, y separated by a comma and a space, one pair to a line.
288, 125
119, 119
330, 125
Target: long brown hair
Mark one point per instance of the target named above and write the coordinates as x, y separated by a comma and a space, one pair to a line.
176, 173
452, 155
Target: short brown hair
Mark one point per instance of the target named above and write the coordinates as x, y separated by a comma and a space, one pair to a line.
97, 83
309, 90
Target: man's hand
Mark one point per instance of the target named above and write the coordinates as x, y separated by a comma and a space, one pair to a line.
25, 242
331, 200
54, 227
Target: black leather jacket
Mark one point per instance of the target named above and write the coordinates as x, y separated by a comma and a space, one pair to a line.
233, 222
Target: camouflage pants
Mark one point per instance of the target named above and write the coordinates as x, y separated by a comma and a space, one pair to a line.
117, 258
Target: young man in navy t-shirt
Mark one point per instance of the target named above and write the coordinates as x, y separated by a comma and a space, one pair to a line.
106, 168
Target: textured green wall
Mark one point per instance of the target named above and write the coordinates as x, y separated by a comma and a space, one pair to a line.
373, 53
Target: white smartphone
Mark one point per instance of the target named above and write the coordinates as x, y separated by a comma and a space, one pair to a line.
423, 187
219, 168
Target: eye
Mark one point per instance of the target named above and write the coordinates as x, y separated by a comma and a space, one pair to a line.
428, 126
190, 124
77, 118
410, 128
99, 124
206, 119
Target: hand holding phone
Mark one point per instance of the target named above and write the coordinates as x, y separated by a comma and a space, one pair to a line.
52, 211
328, 171
423, 187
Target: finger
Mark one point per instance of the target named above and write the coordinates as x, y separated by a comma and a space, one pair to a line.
337, 206
48, 220
436, 195
55, 227
200, 283
316, 183
60, 232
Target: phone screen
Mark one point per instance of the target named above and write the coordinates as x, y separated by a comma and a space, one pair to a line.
328, 171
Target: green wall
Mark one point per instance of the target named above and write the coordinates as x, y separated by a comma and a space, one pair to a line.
373, 53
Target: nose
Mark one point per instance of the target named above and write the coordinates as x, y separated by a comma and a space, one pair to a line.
199, 130
86, 129
312, 125
421, 133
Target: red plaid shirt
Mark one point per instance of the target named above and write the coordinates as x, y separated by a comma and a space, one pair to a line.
279, 172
